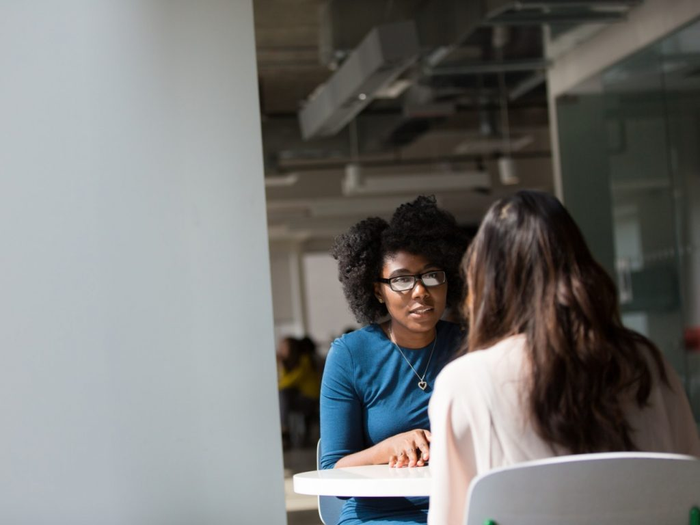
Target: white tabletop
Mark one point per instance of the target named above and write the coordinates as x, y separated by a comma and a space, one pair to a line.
366, 481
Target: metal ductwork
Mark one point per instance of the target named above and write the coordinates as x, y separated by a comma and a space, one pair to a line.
445, 29
344, 23
380, 58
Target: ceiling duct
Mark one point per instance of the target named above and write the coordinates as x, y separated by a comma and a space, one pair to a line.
422, 110
380, 58
423, 102
344, 23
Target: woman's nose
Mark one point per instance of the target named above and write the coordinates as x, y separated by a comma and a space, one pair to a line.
420, 290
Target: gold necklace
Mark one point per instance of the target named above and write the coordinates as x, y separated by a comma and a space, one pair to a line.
422, 383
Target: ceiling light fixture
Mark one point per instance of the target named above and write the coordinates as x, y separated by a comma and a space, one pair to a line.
394, 90
354, 183
283, 181
507, 170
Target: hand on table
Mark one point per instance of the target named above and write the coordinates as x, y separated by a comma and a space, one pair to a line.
410, 449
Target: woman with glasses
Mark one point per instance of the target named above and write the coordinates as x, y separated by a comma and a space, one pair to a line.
398, 278
550, 369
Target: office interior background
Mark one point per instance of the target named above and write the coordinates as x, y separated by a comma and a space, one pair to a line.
172, 176
597, 102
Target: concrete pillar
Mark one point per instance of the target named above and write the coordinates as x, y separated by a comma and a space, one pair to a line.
137, 381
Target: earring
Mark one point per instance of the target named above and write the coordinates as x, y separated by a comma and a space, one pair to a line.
380, 300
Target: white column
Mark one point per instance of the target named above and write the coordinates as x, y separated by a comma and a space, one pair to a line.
137, 379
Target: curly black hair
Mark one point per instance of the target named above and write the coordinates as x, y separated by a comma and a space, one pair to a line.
419, 228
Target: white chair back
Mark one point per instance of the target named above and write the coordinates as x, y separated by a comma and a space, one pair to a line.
625, 488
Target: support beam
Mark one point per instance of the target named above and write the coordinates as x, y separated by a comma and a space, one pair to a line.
528, 18
509, 66
646, 24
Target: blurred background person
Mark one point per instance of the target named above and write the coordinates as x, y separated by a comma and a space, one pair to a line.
298, 385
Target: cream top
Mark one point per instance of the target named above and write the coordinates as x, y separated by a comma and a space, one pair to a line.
479, 421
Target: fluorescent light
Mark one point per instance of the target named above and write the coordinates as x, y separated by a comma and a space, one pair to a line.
355, 184
394, 90
507, 171
281, 181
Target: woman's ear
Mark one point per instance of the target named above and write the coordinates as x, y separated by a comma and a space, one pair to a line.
378, 292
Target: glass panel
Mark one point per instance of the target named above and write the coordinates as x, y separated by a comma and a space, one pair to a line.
642, 195
630, 158
680, 64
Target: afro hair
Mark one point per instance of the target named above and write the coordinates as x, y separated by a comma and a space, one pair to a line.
419, 228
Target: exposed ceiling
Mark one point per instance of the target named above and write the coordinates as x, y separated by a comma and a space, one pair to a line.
444, 118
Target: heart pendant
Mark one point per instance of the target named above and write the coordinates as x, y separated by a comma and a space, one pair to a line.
422, 385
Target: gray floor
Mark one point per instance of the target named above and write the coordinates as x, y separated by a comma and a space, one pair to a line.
301, 510
303, 517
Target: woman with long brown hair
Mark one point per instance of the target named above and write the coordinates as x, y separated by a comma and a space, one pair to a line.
549, 368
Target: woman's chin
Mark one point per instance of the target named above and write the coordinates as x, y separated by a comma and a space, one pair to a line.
422, 322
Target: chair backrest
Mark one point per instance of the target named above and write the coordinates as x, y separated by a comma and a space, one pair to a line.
624, 488
329, 507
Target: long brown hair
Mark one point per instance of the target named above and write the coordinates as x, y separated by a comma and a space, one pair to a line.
529, 271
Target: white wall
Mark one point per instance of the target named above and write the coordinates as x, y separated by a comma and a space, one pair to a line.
287, 290
328, 314
136, 322
283, 305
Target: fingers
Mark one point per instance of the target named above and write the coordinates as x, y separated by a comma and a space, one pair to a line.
412, 450
412, 456
397, 460
421, 446
400, 460
424, 453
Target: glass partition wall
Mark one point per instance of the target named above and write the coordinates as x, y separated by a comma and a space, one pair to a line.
630, 159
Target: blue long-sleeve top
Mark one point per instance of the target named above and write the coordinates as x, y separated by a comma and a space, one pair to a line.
369, 393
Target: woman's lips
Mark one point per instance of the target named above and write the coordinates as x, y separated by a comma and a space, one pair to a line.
421, 311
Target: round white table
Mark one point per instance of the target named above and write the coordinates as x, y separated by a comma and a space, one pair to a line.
365, 481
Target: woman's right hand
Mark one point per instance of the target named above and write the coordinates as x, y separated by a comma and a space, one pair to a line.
410, 449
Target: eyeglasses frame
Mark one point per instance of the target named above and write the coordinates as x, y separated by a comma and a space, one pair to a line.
416, 278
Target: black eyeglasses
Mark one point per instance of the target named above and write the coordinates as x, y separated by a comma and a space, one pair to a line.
404, 283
